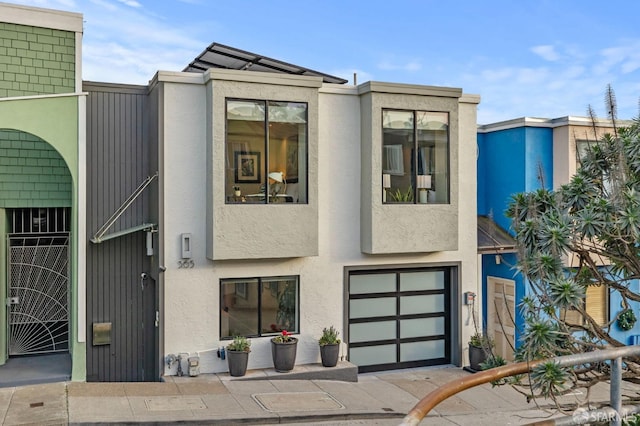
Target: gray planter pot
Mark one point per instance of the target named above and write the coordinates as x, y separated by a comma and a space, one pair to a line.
237, 362
329, 354
284, 355
476, 357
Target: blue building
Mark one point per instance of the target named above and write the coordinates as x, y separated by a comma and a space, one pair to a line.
524, 155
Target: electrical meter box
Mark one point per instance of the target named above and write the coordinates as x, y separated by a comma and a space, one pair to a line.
194, 366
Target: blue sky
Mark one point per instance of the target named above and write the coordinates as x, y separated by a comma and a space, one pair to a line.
536, 58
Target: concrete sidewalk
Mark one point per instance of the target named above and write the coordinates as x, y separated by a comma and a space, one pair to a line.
376, 398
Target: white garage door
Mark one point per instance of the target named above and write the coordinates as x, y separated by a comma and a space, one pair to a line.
399, 318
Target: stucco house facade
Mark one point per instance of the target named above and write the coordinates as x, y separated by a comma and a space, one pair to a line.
246, 200
389, 275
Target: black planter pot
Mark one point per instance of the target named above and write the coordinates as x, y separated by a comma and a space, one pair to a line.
284, 355
237, 362
329, 354
477, 356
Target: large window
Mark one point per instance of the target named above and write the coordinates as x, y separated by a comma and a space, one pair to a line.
266, 152
415, 157
259, 306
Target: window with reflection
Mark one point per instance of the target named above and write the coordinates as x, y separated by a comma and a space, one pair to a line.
415, 157
266, 152
259, 306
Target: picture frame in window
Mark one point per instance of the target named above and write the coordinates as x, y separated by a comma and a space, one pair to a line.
247, 167
292, 161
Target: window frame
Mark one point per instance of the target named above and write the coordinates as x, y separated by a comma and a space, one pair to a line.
260, 284
602, 302
415, 158
264, 163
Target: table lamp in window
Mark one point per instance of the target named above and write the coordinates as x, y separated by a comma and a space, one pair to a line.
386, 184
277, 177
424, 185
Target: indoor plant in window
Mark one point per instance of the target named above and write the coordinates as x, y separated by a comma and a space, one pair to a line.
283, 351
238, 356
329, 347
286, 316
400, 196
480, 346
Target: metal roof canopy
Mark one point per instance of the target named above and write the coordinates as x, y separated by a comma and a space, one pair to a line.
100, 236
493, 239
220, 56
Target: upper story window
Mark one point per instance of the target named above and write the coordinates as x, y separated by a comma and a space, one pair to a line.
583, 147
266, 151
411, 178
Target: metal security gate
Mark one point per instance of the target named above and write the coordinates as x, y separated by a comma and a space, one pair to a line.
38, 282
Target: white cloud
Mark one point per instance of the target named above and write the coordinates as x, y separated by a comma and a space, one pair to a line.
625, 55
104, 4
546, 52
496, 75
411, 66
532, 76
131, 3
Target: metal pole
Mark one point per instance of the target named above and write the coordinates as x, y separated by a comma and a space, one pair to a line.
615, 391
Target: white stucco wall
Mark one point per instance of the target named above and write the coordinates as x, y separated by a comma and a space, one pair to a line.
191, 296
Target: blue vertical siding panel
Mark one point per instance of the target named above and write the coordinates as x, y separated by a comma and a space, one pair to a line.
538, 158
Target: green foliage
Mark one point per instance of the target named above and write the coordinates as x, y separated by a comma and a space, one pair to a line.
240, 343
493, 361
566, 293
540, 339
480, 340
284, 337
632, 420
329, 336
583, 234
287, 299
400, 196
549, 379
626, 319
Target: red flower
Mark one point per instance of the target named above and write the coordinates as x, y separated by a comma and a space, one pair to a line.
284, 336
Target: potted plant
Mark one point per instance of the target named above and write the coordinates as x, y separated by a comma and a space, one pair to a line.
480, 347
238, 356
236, 191
329, 347
283, 351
